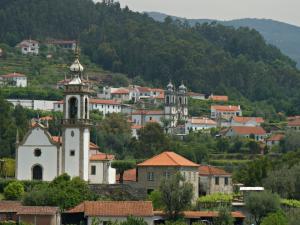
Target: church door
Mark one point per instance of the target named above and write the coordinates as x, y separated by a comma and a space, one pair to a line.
37, 172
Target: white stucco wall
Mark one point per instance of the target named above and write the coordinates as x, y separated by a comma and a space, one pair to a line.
72, 143
26, 158
86, 141
103, 169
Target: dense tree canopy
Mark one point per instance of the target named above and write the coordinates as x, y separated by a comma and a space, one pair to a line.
209, 57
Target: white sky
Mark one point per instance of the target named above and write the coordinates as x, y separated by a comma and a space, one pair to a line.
281, 10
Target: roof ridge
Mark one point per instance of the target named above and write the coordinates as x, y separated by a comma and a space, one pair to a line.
170, 157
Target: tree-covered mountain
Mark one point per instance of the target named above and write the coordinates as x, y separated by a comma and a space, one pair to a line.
208, 58
282, 35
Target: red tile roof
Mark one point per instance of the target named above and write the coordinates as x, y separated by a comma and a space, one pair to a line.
104, 102
120, 91
10, 206
227, 108
101, 157
248, 130
11, 75
129, 175
206, 170
219, 98
276, 137
59, 139
148, 112
168, 159
242, 119
202, 214
202, 120
115, 208
37, 210
144, 89
294, 122
136, 126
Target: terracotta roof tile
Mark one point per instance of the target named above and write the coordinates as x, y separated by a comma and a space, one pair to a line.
136, 126
115, 208
11, 75
276, 137
9, 206
37, 210
104, 102
129, 175
168, 159
120, 91
219, 98
294, 122
206, 170
242, 119
148, 112
227, 108
248, 130
202, 120
101, 157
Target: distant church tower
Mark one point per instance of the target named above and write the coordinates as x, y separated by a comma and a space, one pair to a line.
76, 124
176, 105
182, 103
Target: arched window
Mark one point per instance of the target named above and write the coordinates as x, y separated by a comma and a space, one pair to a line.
73, 108
180, 100
86, 108
37, 172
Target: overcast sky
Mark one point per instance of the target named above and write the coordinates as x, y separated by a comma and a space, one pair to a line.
281, 10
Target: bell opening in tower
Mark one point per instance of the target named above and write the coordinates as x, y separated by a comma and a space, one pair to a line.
73, 108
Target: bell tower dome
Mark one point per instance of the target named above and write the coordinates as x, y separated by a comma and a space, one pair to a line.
76, 123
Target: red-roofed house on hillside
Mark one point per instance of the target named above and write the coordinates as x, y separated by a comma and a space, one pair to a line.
151, 171
294, 123
218, 98
109, 211
246, 121
14, 80
199, 123
274, 139
225, 111
214, 180
141, 117
29, 47
257, 133
129, 176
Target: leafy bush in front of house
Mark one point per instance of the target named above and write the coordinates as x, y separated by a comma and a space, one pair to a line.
214, 201
28, 184
14, 191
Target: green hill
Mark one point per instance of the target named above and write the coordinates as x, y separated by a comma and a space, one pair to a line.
208, 58
282, 35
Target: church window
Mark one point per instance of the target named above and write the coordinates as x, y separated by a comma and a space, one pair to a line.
168, 100
37, 172
93, 170
72, 133
37, 152
86, 108
73, 107
180, 101
72, 152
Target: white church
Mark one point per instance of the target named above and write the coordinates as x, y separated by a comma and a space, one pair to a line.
40, 156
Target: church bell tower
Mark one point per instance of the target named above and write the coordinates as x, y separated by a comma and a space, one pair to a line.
76, 124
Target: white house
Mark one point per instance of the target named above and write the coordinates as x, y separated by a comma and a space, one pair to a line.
274, 139
45, 105
199, 123
100, 170
114, 211
225, 111
29, 47
141, 117
246, 121
14, 80
258, 133
65, 44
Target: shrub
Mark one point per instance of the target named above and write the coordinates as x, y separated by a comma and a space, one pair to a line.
214, 201
14, 191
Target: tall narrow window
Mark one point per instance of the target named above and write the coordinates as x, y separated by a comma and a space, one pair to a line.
150, 176
226, 181
216, 180
73, 107
86, 108
93, 170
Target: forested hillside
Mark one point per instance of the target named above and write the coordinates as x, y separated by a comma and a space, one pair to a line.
282, 35
209, 57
